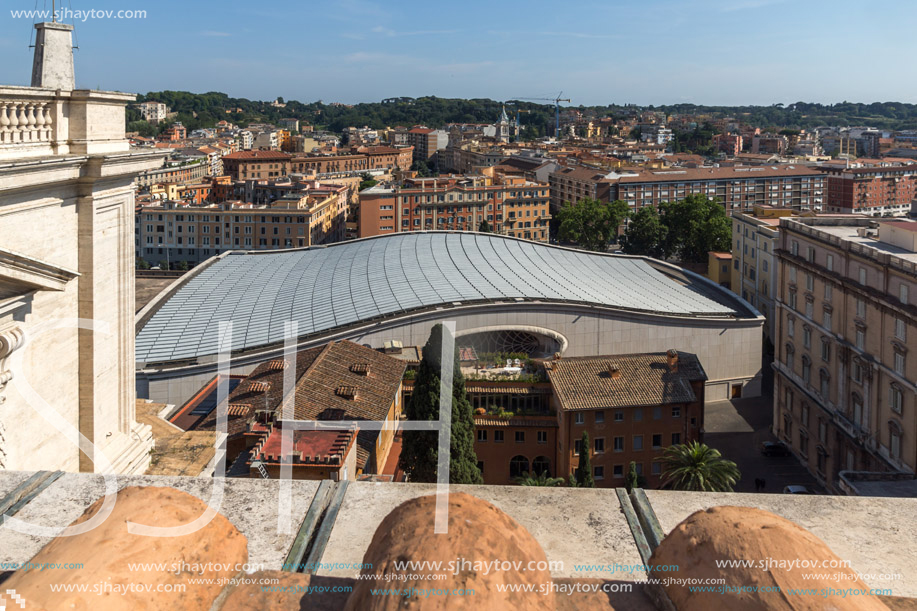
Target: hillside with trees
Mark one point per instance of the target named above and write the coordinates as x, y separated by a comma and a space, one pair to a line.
206, 109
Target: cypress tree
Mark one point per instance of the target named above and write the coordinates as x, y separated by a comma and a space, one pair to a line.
584, 477
419, 448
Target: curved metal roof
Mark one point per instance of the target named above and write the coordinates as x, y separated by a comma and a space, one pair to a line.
342, 284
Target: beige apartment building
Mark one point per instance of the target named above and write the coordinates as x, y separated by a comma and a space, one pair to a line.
737, 188
846, 320
754, 259
171, 232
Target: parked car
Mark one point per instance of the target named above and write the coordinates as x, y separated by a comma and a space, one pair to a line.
774, 448
796, 489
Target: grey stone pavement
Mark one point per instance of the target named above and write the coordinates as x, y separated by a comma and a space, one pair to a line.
737, 428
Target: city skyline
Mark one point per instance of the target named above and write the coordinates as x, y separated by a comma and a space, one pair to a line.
662, 52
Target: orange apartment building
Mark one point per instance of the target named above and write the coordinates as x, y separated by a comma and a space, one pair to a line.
362, 159
512, 206
876, 191
632, 406
257, 165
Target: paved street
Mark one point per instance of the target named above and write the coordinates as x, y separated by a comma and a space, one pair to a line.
737, 428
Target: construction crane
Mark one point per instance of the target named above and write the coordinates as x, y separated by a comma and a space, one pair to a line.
557, 102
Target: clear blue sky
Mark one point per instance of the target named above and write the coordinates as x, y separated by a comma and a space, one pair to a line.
597, 52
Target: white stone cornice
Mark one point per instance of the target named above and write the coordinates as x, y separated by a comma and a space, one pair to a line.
18, 268
12, 337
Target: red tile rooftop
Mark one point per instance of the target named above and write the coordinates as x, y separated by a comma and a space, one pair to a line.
308, 443
905, 225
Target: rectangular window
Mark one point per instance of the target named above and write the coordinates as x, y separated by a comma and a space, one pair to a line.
810, 282
676, 411
577, 446
656, 468
599, 445
542, 436
826, 319
579, 418
902, 293
657, 413
599, 417
861, 308
899, 363
829, 291
657, 441
520, 436
900, 329
791, 326
598, 472
618, 470
895, 398
863, 276
619, 444
861, 339
830, 263
638, 414
638, 442
482, 435
498, 436
619, 415
676, 438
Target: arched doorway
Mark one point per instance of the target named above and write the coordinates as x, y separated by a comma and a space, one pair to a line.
518, 466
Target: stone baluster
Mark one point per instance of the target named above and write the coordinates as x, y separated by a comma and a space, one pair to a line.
16, 135
5, 131
31, 126
40, 121
46, 111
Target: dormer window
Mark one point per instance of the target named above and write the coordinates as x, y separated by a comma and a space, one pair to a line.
346, 392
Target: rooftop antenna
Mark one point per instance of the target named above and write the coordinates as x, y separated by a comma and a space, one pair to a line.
53, 11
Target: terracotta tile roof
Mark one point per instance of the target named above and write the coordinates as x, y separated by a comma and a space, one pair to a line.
507, 390
584, 174
238, 422
317, 389
521, 422
645, 380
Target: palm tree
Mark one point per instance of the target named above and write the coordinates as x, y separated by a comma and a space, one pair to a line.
540, 479
698, 467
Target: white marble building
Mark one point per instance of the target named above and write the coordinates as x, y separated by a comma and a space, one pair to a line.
66, 255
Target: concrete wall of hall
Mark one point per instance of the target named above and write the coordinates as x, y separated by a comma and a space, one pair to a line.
728, 349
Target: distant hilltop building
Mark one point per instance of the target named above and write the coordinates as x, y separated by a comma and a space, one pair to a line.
154, 112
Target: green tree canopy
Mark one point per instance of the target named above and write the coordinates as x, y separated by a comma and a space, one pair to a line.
484, 227
591, 223
584, 477
697, 467
419, 448
687, 230
645, 233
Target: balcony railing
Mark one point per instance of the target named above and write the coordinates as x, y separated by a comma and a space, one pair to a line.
37, 122
25, 121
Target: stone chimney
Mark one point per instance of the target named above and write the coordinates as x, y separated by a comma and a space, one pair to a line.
671, 359
52, 67
614, 371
